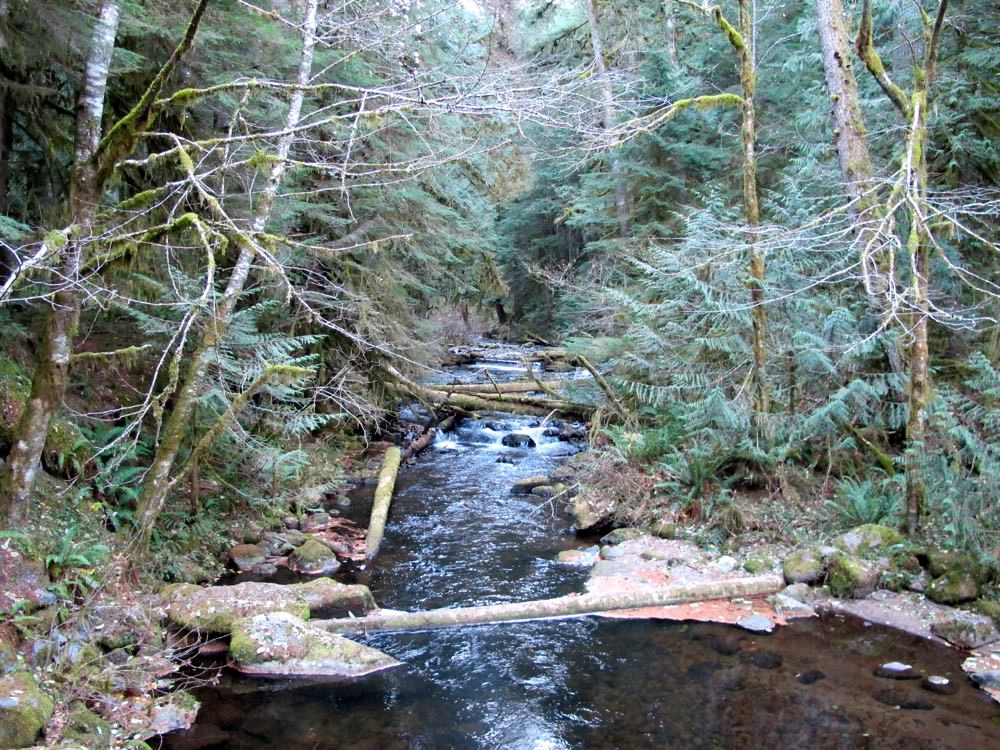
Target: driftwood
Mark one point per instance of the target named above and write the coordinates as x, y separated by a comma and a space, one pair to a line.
561, 607
383, 496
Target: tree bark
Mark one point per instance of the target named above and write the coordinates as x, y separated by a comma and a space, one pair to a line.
383, 497
55, 343
157, 482
607, 99
851, 138
670, 27
743, 42
565, 606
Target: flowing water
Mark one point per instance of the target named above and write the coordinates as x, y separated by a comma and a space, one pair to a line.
457, 536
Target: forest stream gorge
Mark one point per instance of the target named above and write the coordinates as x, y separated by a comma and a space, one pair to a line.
458, 536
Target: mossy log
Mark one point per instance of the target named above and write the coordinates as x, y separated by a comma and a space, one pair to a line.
560, 607
464, 402
383, 496
485, 389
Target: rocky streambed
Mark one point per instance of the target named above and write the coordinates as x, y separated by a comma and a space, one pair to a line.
481, 518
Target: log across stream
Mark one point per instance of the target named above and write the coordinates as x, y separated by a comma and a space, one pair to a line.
457, 536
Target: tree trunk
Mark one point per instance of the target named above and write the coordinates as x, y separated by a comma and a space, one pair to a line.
670, 27
748, 132
157, 482
55, 343
851, 139
607, 98
560, 607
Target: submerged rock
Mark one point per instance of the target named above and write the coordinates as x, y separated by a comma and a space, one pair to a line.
282, 645
213, 610
804, 566
900, 698
24, 710
896, 670
526, 485
518, 440
313, 558
938, 684
965, 629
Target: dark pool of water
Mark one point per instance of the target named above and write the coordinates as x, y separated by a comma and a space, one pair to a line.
457, 536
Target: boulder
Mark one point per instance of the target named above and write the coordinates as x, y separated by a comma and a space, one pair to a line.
87, 728
313, 558
24, 710
279, 644
954, 587
851, 577
587, 514
527, 484
868, 540
172, 712
214, 609
965, 629
316, 522
989, 608
582, 558
725, 565
942, 562
617, 536
664, 529
518, 440
804, 566
247, 556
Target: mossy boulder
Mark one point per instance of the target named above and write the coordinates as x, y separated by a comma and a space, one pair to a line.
24, 710
589, 513
942, 562
247, 556
850, 577
282, 645
664, 529
549, 490
562, 474
868, 540
617, 536
214, 609
804, 566
527, 484
954, 587
313, 558
87, 728
990, 608
758, 564
965, 629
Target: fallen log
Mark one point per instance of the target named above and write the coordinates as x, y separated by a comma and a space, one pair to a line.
427, 437
561, 607
469, 403
383, 496
484, 389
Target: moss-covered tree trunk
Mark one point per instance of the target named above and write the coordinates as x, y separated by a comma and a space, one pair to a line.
158, 480
913, 182
748, 131
608, 118
55, 342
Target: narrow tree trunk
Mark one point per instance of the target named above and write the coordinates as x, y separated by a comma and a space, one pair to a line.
670, 28
748, 131
560, 607
851, 139
157, 482
56, 340
607, 98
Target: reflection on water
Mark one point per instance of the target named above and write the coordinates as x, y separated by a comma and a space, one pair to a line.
458, 537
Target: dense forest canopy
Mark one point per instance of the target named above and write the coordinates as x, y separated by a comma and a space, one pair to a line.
771, 224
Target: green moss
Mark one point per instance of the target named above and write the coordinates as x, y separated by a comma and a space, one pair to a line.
953, 587
758, 565
990, 608
24, 710
846, 576
87, 728
803, 566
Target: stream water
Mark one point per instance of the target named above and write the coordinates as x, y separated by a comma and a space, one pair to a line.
457, 536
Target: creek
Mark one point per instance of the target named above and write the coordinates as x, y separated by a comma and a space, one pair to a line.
457, 536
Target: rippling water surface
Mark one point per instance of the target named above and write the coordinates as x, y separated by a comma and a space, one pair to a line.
457, 536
